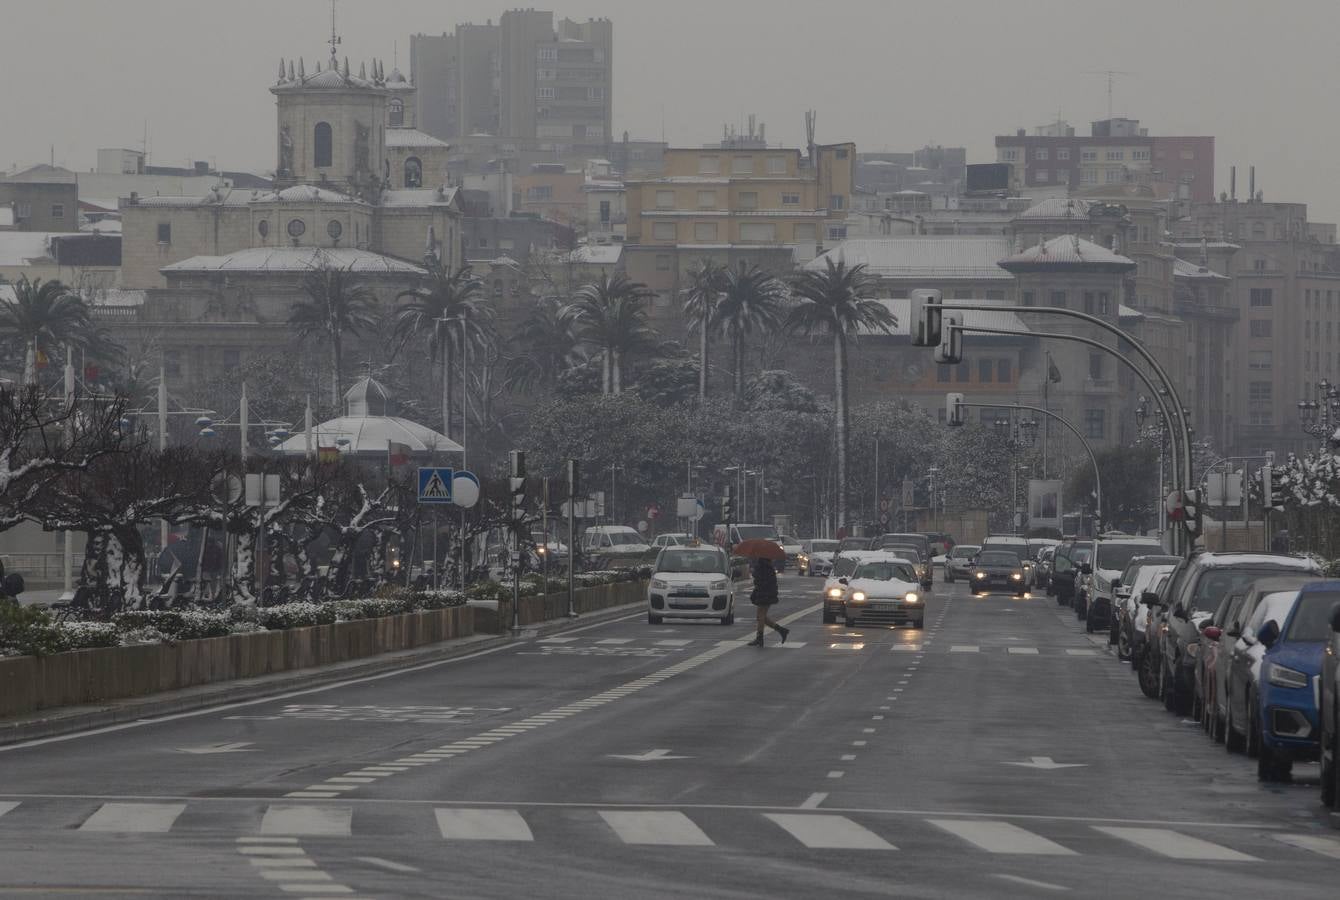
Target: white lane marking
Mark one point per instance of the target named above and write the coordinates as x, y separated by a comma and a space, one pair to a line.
678, 642
665, 828
844, 646
615, 641
1081, 653
1326, 846
155, 818
295, 874
905, 647
847, 757
1029, 882
267, 840
965, 648
271, 851
813, 800
482, 825
350, 779
312, 795
867, 731
1022, 651
825, 832
283, 862
1175, 845
792, 645
836, 773
858, 743
387, 864
556, 640
313, 889
7, 805
324, 821
1001, 837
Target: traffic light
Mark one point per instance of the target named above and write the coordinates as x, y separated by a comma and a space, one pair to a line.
950, 349
1191, 512
518, 484
953, 409
727, 506
923, 323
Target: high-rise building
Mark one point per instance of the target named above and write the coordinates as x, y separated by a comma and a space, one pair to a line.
523, 78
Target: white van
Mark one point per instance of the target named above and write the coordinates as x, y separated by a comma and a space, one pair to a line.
613, 540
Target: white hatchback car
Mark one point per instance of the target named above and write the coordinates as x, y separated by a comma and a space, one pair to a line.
834, 589
884, 592
691, 582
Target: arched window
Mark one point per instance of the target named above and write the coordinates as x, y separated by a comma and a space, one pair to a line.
321, 145
413, 172
397, 108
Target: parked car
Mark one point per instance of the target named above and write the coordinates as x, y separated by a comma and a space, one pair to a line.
1198, 585
607, 545
1241, 732
1133, 581
1288, 708
691, 583
997, 568
958, 564
672, 539
884, 592
1145, 657
816, 556
1042, 567
1216, 658
1070, 556
1328, 689
834, 590
1110, 557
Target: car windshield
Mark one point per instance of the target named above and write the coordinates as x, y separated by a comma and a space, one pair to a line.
625, 538
1215, 583
1312, 616
845, 566
1117, 555
691, 561
823, 546
885, 571
1274, 605
755, 532
997, 558
1081, 555
963, 551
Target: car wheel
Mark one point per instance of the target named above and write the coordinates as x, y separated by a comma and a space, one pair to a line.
919, 624
1253, 730
849, 622
1273, 767
653, 619
1123, 644
1234, 742
728, 618
1147, 675
829, 618
1020, 594
1330, 773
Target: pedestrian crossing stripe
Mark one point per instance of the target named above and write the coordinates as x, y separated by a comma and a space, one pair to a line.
281, 825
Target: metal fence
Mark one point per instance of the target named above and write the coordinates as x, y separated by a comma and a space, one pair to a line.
40, 567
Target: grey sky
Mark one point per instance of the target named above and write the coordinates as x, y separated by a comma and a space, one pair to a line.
1259, 77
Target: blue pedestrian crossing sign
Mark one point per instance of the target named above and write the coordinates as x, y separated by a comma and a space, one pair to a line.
435, 484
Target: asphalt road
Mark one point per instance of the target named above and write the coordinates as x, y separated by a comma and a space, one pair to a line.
626, 761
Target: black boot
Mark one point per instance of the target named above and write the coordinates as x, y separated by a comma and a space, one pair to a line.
756, 642
782, 630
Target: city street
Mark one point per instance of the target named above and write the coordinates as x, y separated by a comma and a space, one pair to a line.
999, 753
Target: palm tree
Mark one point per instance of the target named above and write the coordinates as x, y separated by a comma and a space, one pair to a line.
751, 300
547, 346
700, 304
449, 307
337, 305
829, 301
44, 314
610, 316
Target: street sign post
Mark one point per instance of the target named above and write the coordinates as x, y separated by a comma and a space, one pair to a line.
435, 484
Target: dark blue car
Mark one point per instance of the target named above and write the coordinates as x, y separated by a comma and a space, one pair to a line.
1290, 726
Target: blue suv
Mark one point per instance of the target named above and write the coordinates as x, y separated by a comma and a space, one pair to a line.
1289, 723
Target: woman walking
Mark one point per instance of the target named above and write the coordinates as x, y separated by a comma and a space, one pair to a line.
765, 595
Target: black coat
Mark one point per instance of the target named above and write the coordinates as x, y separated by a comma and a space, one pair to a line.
765, 583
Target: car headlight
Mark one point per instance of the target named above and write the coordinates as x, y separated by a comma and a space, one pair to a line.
660, 585
1282, 676
981, 574
835, 592
1017, 576
720, 585
912, 598
858, 597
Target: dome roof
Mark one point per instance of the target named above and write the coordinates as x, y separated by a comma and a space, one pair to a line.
1057, 208
1067, 251
365, 427
367, 397
397, 82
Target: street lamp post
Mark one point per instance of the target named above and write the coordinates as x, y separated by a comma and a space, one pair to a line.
1141, 416
1016, 433
1319, 414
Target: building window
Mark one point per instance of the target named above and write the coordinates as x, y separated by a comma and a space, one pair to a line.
1114, 176
549, 54
546, 74
1261, 391
1026, 298
545, 93
1116, 155
396, 109
704, 231
1063, 153
665, 199
776, 165
1057, 299
709, 165
58, 210
806, 231
962, 294
231, 360
662, 263
995, 295
263, 227
334, 229
164, 232
758, 232
706, 199
1009, 154
1089, 302
962, 374
1261, 297
322, 143
748, 199
172, 363
595, 93
837, 201
1260, 359
985, 371
790, 199
1140, 155
837, 232
540, 192
1041, 153
296, 228
1096, 361
742, 165
1095, 423
1186, 154
1261, 328
1104, 304
413, 172
1088, 176
663, 231
604, 212
1088, 156
1042, 175
1004, 371
942, 375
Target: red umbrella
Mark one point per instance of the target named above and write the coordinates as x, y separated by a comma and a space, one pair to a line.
759, 547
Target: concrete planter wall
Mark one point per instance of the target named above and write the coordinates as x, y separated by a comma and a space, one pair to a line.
546, 607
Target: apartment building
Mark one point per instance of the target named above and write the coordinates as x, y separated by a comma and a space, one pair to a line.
526, 78
724, 202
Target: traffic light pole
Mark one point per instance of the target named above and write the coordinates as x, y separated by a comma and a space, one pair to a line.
518, 485
572, 530
1093, 459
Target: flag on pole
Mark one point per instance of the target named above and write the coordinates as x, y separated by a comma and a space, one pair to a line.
1053, 373
397, 454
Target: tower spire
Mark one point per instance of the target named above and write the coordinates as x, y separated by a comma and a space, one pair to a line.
334, 38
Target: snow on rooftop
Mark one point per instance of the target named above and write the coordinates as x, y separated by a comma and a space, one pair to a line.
941, 257
1067, 250
411, 197
403, 138
21, 248
596, 254
295, 259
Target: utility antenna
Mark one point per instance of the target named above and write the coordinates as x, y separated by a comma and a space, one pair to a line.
334, 38
1111, 75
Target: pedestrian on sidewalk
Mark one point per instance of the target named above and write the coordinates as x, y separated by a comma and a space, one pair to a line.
763, 597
